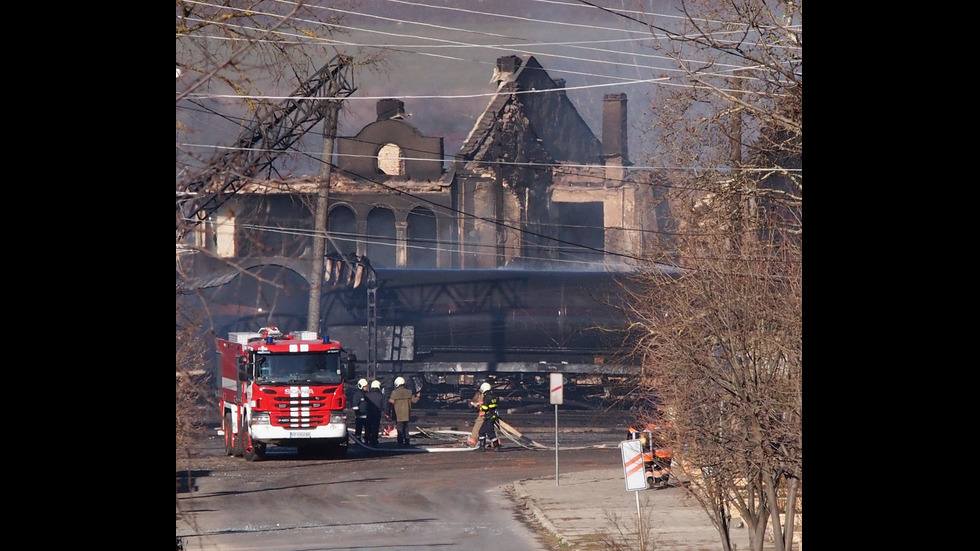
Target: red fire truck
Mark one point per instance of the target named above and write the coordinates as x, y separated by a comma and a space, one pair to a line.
283, 390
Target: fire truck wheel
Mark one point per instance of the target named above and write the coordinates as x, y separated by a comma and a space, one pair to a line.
239, 447
256, 454
249, 450
229, 445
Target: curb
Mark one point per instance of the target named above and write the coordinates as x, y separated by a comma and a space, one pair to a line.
523, 498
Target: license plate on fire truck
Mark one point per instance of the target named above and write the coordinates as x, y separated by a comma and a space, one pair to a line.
300, 435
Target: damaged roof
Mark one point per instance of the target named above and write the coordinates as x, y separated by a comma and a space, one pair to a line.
541, 100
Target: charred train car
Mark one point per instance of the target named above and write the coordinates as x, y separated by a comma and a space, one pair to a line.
452, 329
448, 330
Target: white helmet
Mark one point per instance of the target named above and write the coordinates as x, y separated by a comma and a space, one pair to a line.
399, 381
362, 384
484, 387
376, 385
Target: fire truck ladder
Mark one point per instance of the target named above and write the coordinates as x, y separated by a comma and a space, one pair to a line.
270, 133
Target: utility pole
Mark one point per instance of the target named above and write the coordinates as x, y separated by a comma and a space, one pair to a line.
331, 108
261, 142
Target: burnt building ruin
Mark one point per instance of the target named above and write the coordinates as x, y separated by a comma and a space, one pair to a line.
531, 186
488, 262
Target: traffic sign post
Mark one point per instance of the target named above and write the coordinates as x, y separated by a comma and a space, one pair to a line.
636, 476
633, 465
557, 384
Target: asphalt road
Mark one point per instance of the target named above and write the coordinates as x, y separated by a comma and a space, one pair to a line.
391, 499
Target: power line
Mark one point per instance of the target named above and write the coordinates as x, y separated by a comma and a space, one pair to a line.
456, 44
417, 243
460, 44
491, 15
543, 166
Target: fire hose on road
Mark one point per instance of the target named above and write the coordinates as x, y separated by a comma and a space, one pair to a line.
506, 430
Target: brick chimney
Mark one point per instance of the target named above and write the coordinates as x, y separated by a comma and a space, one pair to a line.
614, 139
508, 64
615, 149
505, 69
390, 109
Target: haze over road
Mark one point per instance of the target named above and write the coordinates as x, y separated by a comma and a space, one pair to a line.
419, 501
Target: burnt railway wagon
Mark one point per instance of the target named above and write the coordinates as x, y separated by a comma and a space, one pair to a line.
454, 328
448, 330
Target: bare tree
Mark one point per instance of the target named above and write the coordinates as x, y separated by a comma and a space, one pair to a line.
722, 335
193, 384
236, 61
723, 344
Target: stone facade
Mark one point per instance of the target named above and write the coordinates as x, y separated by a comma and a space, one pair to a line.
531, 186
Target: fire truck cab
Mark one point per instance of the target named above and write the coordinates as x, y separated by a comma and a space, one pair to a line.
283, 390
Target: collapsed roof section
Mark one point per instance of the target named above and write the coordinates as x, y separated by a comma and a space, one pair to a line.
528, 97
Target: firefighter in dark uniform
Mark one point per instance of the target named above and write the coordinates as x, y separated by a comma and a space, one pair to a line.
359, 399
375, 404
488, 433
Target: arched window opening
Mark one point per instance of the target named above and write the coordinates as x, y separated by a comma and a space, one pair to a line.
423, 243
342, 230
381, 238
390, 160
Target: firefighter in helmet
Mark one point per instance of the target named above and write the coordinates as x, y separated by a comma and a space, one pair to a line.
360, 408
476, 402
488, 433
374, 403
401, 401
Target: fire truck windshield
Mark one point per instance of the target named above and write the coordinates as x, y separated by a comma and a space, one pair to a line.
322, 368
